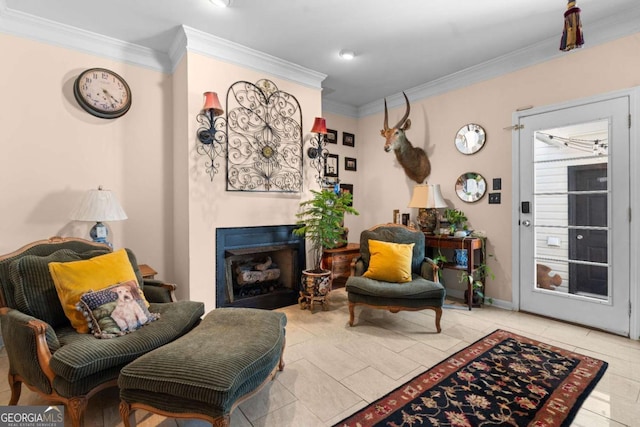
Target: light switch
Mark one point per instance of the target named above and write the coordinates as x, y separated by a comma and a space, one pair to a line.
494, 198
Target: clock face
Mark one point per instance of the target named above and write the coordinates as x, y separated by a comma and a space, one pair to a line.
102, 93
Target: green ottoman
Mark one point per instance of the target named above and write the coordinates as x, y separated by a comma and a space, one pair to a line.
206, 373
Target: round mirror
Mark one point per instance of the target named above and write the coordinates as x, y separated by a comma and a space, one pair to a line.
470, 187
470, 138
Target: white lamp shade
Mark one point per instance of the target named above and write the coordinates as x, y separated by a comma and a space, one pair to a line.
427, 196
438, 200
98, 205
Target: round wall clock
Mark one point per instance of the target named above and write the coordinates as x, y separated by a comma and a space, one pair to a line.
470, 138
103, 93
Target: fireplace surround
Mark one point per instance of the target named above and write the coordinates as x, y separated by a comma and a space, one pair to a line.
266, 248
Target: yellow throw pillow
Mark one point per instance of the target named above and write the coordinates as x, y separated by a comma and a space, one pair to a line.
390, 262
72, 279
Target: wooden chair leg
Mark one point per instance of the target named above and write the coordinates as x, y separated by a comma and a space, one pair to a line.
223, 421
76, 407
281, 362
125, 413
16, 389
438, 311
352, 314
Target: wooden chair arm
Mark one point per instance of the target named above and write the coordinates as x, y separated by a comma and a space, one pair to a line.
38, 330
167, 288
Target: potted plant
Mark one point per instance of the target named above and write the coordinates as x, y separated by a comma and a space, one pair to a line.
480, 274
456, 218
321, 221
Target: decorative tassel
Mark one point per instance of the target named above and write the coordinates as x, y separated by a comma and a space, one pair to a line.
572, 33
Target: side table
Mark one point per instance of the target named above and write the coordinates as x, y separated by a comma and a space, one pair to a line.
147, 272
338, 260
471, 244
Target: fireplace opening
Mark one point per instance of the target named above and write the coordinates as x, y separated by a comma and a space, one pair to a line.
253, 272
258, 267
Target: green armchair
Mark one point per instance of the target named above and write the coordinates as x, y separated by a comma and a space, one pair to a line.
47, 354
420, 291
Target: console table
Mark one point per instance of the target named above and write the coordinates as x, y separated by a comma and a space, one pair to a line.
338, 260
473, 245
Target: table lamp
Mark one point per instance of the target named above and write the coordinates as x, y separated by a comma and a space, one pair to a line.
99, 205
428, 199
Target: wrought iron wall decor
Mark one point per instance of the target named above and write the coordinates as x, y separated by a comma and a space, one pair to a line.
212, 132
264, 145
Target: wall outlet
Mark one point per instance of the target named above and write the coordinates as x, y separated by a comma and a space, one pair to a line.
494, 198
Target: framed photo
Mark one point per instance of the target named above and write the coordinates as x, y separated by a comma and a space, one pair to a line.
331, 165
332, 136
329, 183
347, 188
348, 139
350, 164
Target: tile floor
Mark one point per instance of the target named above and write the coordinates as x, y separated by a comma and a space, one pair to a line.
332, 369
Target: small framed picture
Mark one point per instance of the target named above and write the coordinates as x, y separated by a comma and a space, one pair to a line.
350, 164
329, 183
332, 136
348, 139
331, 165
347, 188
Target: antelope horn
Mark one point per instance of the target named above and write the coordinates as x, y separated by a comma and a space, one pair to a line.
386, 116
406, 115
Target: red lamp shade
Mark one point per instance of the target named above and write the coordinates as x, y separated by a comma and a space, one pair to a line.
319, 125
211, 102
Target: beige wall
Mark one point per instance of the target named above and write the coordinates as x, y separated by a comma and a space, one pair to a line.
53, 151
209, 205
435, 121
350, 125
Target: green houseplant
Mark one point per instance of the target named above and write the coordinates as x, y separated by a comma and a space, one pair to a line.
321, 221
456, 218
480, 274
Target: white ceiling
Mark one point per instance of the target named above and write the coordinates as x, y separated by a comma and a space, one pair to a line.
399, 45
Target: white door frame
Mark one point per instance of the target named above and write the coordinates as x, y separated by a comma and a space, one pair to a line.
634, 197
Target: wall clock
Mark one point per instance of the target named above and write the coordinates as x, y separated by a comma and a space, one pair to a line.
470, 138
103, 93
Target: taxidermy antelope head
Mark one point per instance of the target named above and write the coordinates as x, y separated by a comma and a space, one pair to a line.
414, 160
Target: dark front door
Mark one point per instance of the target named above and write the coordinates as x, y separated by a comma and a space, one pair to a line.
587, 211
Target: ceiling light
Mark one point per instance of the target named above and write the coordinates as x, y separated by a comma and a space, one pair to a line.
347, 54
221, 3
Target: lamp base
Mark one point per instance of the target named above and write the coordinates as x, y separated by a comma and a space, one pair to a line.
99, 233
427, 219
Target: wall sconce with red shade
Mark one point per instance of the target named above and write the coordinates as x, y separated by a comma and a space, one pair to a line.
211, 134
318, 151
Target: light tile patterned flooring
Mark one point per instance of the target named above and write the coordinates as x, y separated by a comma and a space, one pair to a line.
332, 369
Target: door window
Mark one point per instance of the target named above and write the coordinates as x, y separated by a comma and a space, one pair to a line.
571, 199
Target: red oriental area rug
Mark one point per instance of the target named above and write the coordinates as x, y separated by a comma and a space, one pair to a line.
503, 379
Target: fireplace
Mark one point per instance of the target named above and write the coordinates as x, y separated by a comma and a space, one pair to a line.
258, 267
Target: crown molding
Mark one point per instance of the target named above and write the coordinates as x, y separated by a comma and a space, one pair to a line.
606, 30
339, 108
28, 26
215, 47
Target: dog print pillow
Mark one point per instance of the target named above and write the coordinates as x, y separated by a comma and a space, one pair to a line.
116, 310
